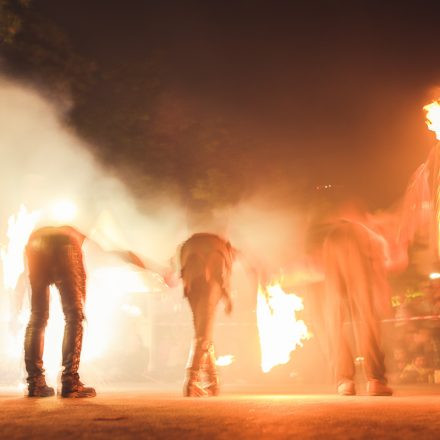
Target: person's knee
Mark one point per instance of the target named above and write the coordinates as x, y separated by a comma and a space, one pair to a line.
39, 319
74, 316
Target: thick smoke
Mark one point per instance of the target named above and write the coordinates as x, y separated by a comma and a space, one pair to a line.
44, 161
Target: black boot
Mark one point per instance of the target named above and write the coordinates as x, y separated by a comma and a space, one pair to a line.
72, 387
37, 387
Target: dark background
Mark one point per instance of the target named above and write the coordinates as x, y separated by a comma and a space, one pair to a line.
219, 100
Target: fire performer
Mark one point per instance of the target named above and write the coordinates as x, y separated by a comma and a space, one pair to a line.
206, 262
54, 256
355, 290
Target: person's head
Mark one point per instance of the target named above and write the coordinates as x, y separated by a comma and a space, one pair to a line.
419, 360
422, 336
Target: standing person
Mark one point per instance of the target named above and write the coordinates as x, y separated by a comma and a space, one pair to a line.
206, 262
54, 256
356, 290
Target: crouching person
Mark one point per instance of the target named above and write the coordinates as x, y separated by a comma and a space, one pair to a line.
54, 256
206, 262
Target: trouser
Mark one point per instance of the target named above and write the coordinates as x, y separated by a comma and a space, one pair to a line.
203, 297
57, 262
350, 282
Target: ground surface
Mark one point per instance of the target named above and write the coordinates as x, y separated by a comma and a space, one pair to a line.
146, 414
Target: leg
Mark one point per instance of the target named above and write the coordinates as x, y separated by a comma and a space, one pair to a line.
364, 280
34, 336
204, 297
34, 342
71, 285
336, 307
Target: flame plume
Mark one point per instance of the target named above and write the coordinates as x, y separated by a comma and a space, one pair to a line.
280, 333
433, 117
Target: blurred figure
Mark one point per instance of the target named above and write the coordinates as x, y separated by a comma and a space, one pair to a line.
54, 256
346, 245
206, 263
356, 290
418, 371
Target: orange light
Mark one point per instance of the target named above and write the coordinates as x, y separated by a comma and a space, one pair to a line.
224, 361
433, 117
279, 330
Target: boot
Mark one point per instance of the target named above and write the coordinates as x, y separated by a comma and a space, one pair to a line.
193, 385
213, 386
37, 387
73, 388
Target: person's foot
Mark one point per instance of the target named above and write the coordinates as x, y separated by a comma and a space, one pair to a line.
37, 387
74, 388
377, 388
346, 388
194, 389
40, 391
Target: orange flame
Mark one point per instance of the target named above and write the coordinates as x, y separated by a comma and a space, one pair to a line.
280, 333
433, 117
20, 227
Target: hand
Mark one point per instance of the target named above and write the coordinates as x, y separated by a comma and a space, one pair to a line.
228, 306
171, 279
132, 258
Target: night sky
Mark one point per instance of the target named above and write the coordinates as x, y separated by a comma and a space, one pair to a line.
324, 91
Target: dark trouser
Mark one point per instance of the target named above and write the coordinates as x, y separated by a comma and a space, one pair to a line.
57, 261
351, 280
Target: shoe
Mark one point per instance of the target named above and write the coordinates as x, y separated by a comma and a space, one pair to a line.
377, 388
209, 368
346, 388
74, 388
38, 388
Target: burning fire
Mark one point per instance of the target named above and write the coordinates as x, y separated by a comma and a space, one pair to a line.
433, 117
20, 227
280, 332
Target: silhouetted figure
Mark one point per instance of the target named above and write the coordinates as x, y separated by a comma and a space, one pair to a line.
206, 262
355, 290
54, 256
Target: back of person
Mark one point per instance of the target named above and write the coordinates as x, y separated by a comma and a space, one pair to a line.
48, 249
206, 256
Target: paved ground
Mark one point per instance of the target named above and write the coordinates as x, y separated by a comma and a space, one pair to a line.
142, 414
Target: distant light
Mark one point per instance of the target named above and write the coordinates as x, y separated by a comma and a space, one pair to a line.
63, 210
434, 276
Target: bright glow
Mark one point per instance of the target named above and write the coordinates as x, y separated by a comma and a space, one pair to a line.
434, 276
280, 333
224, 361
20, 227
433, 117
63, 210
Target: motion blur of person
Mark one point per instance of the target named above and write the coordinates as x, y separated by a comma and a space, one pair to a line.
206, 262
54, 256
352, 257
